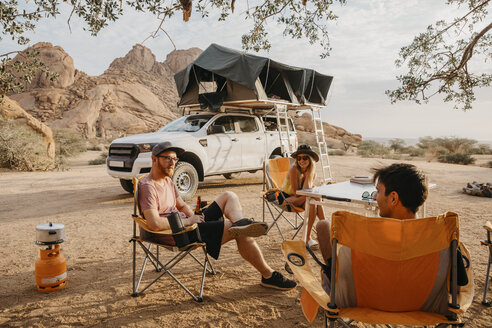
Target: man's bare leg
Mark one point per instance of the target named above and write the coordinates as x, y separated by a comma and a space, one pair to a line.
230, 206
249, 250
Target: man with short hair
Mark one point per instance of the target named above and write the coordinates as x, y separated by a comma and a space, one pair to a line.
158, 198
400, 190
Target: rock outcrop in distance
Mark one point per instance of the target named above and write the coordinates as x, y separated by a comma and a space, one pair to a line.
10, 110
136, 94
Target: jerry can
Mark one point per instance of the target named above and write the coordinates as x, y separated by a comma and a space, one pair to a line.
51, 270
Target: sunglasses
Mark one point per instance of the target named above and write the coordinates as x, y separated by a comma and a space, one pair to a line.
367, 195
304, 158
169, 158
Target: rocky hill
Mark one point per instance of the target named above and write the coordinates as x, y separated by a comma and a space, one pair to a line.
135, 94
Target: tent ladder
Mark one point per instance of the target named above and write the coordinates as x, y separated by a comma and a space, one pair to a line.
284, 130
322, 147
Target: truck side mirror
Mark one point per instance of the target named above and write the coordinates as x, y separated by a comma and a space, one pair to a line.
214, 129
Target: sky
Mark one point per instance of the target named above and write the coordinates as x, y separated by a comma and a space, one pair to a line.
365, 42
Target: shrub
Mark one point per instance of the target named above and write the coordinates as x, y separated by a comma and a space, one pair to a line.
453, 145
490, 164
68, 143
372, 148
482, 149
336, 152
100, 160
21, 148
413, 151
464, 159
398, 145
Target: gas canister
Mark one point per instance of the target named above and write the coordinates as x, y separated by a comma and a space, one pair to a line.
51, 270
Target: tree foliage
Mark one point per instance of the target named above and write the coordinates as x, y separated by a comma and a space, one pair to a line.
439, 59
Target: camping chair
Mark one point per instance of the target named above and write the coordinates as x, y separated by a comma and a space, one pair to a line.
387, 271
181, 251
487, 242
274, 173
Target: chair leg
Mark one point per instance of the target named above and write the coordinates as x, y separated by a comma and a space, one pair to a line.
165, 268
134, 263
486, 285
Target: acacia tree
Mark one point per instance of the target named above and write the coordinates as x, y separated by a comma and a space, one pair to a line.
439, 59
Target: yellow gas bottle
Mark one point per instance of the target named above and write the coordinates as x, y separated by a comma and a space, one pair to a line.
51, 270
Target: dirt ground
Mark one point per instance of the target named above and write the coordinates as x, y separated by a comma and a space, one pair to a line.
96, 213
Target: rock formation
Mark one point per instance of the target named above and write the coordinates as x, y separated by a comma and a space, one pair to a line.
336, 137
136, 94
10, 109
58, 62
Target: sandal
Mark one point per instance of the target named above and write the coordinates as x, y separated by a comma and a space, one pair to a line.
312, 244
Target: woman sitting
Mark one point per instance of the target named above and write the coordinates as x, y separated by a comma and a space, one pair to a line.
301, 175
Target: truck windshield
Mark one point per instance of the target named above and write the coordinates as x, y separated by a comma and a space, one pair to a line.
191, 123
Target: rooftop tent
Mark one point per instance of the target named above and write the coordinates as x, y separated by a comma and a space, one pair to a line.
237, 77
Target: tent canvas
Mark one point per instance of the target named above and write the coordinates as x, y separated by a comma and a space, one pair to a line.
243, 77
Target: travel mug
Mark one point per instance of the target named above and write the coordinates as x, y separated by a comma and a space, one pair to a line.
177, 226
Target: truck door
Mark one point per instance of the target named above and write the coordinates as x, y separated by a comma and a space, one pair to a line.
223, 149
252, 140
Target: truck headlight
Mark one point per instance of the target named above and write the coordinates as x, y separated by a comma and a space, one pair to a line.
145, 148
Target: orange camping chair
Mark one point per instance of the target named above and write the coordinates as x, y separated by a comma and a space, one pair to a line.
274, 173
166, 240
487, 242
386, 271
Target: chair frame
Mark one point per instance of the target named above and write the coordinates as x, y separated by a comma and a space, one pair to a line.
164, 268
293, 252
487, 242
280, 210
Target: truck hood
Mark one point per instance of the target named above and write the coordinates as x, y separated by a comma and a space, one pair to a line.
155, 137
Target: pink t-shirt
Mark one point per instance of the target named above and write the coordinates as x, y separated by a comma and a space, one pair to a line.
162, 197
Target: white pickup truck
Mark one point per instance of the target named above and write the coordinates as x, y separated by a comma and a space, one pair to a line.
215, 144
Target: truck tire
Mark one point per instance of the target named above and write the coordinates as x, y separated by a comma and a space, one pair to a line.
186, 180
231, 175
127, 185
275, 156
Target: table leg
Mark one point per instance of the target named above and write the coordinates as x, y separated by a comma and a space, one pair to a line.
306, 218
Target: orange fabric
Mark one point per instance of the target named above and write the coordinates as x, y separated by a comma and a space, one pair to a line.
309, 306
393, 285
278, 170
370, 316
394, 239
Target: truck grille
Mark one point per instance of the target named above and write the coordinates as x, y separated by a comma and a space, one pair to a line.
124, 155
124, 151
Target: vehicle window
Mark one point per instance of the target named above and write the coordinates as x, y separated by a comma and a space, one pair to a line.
191, 123
247, 124
270, 123
227, 122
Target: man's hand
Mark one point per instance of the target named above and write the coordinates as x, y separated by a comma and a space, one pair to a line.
195, 219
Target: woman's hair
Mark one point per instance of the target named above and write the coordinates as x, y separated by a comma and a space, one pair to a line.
310, 170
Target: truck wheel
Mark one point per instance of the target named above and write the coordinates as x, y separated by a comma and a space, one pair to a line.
231, 175
186, 180
127, 185
275, 156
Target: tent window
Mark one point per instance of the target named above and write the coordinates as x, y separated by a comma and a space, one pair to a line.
206, 87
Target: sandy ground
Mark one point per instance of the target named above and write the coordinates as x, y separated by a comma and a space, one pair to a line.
96, 214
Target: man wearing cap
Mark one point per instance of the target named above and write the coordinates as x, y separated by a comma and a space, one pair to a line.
158, 197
